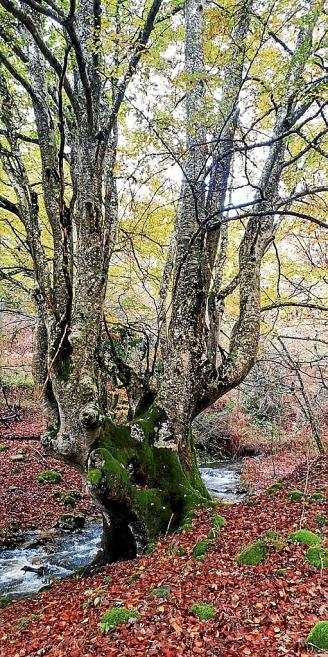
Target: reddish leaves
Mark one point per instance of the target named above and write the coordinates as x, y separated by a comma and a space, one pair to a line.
261, 611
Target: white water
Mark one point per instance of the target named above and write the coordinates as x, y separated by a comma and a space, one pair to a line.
222, 480
60, 558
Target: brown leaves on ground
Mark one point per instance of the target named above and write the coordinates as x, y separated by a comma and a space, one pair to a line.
26, 502
262, 611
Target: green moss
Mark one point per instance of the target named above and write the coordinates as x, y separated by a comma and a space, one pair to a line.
175, 550
271, 540
317, 557
199, 550
23, 622
202, 611
4, 602
148, 479
161, 591
94, 476
321, 521
117, 616
49, 477
152, 506
218, 521
252, 555
280, 572
69, 501
274, 488
76, 494
114, 475
295, 495
186, 524
133, 578
305, 537
318, 637
317, 497
3, 447
71, 521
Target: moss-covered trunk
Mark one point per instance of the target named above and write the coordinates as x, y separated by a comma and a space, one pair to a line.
145, 487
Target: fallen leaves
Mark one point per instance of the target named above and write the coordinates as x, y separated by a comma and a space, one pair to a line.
261, 611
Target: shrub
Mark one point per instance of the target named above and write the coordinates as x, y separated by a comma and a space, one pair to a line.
318, 637
117, 616
3, 447
202, 611
317, 557
49, 477
305, 537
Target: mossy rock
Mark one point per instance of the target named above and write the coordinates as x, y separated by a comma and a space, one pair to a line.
49, 477
304, 537
200, 548
296, 495
317, 497
117, 616
218, 521
317, 557
318, 637
69, 501
252, 555
71, 521
161, 591
274, 488
3, 447
203, 611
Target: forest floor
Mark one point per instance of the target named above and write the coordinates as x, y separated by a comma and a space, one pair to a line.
261, 611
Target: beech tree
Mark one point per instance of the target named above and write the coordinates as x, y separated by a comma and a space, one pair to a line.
71, 68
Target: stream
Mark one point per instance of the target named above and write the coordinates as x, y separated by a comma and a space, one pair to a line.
71, 550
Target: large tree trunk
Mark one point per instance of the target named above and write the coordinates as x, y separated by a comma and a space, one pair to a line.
145, 480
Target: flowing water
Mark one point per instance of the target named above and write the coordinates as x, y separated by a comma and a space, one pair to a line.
60, 558
69, 551
222, 479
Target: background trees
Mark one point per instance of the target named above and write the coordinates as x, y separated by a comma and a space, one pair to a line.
106, 87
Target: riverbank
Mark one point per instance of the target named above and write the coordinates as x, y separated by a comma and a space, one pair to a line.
266, 609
